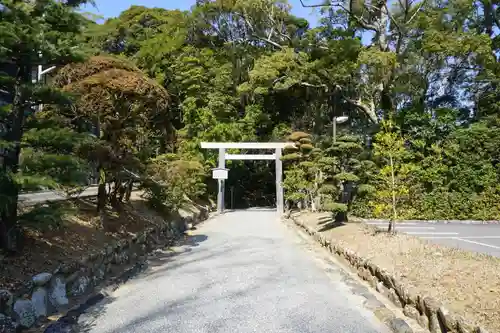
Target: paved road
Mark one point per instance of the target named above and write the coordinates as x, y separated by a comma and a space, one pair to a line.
483, 238
247, 273
44, 196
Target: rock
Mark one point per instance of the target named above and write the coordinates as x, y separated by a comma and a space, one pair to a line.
411, 312
423, 321
463, 326
384, 314
373, 281
431, 306
81, 286
382, 289
480, 330
57, 294
99, 274
109, 250
434, 323
25, 312
70, 279
373, 304
40, 300
6, 324
398, 325
68, 268
420, 304
41, 279
93, 256
446, 319
408, 296
394, 298
364, 273
84, 261
6, 299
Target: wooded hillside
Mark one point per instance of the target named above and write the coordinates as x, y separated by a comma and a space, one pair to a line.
134, 96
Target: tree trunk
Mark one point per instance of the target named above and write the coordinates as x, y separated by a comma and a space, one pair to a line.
128, 192
9, 231
392, 226
101, 196
122, 191
313, 202
113, 197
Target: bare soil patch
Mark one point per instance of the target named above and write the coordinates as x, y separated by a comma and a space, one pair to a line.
467, 283
79, 235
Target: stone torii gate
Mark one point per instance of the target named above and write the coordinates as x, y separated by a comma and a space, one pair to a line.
220, 173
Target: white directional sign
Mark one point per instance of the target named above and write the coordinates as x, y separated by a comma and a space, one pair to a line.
220, 173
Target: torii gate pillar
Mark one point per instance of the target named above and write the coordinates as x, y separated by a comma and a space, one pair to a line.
222, 146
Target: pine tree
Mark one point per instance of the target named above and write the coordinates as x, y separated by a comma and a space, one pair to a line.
32, 33
339, 164
302, 177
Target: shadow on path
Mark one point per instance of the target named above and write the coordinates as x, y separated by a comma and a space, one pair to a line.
96, 304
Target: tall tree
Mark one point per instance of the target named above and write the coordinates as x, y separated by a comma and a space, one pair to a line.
31, 33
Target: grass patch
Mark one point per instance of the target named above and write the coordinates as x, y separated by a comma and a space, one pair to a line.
467, 283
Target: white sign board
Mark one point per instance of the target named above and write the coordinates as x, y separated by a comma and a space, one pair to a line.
218, 173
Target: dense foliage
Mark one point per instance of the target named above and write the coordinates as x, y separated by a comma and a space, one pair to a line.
419, 81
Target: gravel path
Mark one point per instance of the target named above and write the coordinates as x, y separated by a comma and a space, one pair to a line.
244, 272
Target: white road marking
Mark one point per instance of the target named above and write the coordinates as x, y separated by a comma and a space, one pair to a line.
385, 223
404, 227
465, 237
430, 233
478, 243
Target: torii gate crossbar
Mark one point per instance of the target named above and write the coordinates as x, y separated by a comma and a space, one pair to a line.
278, 148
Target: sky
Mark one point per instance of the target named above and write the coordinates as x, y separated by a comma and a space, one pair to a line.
108, 8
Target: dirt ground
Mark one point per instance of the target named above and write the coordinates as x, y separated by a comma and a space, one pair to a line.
467, 283
79, 235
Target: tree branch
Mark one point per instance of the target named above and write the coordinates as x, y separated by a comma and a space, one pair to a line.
313, 6
270, 42
369, 109
416, 11
307, 84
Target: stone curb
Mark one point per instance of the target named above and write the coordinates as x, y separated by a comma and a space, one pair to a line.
429, 313
52, 293
458, 222
65, 323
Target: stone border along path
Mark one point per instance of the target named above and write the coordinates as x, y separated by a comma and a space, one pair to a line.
428, 312
53, 293
391, 317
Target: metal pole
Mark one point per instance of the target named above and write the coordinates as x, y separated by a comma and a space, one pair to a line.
220, 194
334, 129
279, 183
232, 197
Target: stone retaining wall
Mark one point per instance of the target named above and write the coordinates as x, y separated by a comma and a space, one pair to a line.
428, 312
48, 293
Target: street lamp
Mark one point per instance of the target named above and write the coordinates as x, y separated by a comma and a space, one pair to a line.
337, 120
